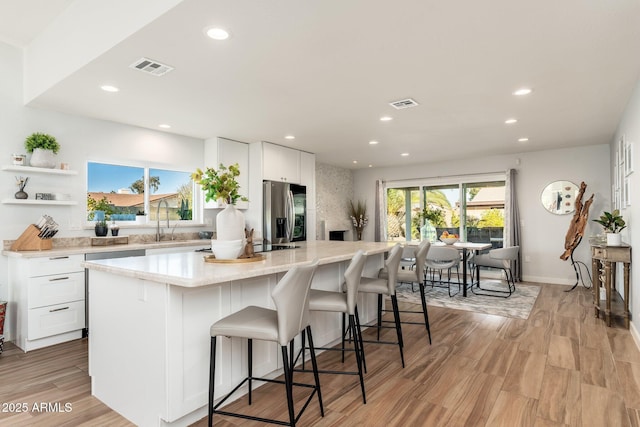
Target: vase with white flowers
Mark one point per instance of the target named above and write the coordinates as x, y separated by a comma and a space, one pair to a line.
222, 185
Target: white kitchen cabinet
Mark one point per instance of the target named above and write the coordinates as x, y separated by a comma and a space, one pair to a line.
48, 295
280, 163
228, 152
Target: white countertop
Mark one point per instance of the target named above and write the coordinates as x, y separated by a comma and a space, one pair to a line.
190, 270
74, 250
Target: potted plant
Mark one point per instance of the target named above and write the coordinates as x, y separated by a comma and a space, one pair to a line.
43, 147
100, 211
613, 224
222, 185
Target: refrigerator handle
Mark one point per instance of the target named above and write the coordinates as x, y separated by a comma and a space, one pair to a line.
290, 215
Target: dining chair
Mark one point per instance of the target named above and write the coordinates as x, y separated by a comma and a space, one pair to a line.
441, 259
386, 286
415, 275
501, 258
290, 317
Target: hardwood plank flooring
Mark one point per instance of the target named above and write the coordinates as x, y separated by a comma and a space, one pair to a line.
560, 367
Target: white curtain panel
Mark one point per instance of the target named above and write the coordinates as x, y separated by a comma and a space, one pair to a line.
380, 231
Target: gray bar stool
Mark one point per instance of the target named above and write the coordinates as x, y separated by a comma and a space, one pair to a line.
417, 275
345, 303
386, 286
291, 316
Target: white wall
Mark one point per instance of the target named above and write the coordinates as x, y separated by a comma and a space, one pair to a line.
81, 140
630, 128
542, 232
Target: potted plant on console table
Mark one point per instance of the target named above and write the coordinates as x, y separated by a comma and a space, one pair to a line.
613, 224
222, 185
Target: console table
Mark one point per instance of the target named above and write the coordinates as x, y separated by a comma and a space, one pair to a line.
604, 259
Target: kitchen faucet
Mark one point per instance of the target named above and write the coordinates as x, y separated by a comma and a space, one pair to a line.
166, 205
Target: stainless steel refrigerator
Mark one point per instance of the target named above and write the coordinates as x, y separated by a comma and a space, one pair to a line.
285, 212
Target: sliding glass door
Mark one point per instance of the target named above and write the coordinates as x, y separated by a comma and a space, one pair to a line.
473, 209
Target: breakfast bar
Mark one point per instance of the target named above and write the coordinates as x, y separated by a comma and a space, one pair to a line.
149, 323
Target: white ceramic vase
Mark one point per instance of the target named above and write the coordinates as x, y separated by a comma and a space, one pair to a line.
614, 239
230, 224
43, 158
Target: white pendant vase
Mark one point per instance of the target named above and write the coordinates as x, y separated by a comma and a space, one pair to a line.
614, 239
230, 224
43, 158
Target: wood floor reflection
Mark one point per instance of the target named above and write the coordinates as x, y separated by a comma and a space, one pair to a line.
561, 366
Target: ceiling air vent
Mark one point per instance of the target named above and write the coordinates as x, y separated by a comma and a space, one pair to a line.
150, 66
403, 103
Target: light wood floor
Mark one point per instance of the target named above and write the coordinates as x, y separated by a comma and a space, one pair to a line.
562, 366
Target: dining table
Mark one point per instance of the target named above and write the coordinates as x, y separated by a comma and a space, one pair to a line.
466, 248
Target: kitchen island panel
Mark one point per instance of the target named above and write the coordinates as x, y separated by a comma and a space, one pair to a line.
149, 341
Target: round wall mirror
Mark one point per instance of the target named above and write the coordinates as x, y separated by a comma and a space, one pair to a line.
559, 197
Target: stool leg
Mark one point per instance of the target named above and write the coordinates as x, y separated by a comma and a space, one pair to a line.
396, 315
314, 363
288, 382
342, 335
424, 310
250, 365
212, 376
356, 346
359, 329
379, 314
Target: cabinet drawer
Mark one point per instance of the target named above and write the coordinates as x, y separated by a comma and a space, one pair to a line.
56, 289
55, 265
55, 319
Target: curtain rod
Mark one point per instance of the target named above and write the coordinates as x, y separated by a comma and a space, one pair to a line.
446, 176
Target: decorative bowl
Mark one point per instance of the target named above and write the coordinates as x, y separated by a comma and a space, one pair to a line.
449, 240
227, 249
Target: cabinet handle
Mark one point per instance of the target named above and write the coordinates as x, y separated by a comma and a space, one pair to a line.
58, 257
58, 309
59, 278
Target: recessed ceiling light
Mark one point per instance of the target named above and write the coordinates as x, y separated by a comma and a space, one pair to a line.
217, 33
373, 142
109, 88
510, 121
289, 137
370, 166
163, 126
385, 118
355, 162
522, 91
523, 139
404, 154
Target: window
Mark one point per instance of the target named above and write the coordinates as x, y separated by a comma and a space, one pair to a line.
474, 209
130, 193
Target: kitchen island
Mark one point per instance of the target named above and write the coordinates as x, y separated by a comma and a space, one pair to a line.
150, 318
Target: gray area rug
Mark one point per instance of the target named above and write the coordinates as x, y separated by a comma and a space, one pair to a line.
518, 305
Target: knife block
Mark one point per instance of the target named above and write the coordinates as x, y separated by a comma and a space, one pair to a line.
29, 241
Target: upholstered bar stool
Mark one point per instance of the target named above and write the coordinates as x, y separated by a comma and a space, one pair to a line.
345, 303
291, 316
417, 275
386, 286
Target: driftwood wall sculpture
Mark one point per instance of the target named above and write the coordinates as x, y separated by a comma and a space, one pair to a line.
579, 221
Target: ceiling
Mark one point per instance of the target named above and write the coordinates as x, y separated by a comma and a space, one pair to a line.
325, 72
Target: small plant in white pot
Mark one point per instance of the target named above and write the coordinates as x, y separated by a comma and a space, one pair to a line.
613, 224
43, 147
